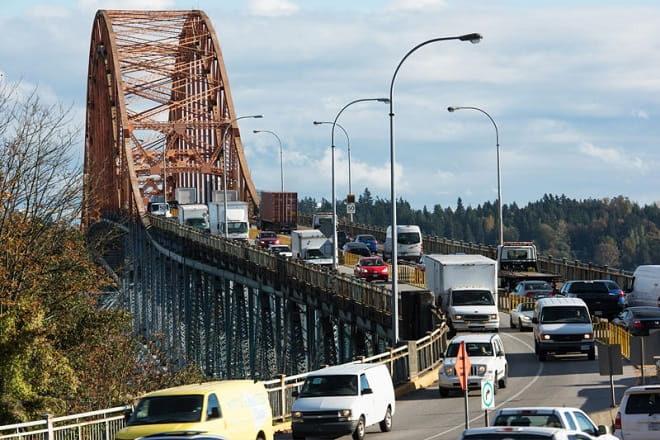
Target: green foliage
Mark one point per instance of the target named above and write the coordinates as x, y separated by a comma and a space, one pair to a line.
614, 232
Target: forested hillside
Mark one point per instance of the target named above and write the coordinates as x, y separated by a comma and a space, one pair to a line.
614, 232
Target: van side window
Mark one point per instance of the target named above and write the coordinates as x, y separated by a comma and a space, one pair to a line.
364, 383
571, 422
213, 408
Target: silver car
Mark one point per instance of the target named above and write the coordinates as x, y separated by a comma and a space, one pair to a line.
521, 316
534, 289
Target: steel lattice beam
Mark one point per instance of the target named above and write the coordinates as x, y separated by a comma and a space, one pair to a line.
158, 101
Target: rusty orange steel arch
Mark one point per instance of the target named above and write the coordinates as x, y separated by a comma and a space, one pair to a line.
158, 102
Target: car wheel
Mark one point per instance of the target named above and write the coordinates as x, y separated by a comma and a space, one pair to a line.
536, 347
511, 323
295, 436
542, 355
496, 384
503, 379
358, 434
386, 423
444, 392
520, 326
592, 353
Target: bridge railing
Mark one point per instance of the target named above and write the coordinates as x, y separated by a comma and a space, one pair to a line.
569, 270
405, 363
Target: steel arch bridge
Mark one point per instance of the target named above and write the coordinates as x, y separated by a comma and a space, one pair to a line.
158, 104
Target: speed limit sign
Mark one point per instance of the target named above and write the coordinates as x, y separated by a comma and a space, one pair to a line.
350, 208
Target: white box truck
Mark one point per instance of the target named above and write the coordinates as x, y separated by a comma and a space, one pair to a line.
312, 246
238, 224
195, 216
465, 289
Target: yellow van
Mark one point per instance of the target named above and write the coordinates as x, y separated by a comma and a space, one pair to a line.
235, 409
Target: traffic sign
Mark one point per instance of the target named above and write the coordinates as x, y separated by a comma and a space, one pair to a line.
487, 394
463, 366
350, 208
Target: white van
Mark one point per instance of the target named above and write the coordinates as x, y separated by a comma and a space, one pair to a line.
344, 399
409, 243
563, 325
645, 287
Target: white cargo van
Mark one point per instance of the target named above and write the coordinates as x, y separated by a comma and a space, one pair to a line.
409, 243
645, 287
343, 399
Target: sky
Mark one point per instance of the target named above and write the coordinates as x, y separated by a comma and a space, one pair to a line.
572, 87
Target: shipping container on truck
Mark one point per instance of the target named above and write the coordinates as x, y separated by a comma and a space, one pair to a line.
278, 211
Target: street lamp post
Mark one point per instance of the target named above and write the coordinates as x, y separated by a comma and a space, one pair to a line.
348, 147
473, 38
281, 165
499, 179
334, 187
224, 163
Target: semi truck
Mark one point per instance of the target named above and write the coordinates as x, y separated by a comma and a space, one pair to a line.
278, 211
238, 225
311, 246
465, 290
517, 261
194, 215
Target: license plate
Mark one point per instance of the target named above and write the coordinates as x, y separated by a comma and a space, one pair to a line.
584, 348
654, 426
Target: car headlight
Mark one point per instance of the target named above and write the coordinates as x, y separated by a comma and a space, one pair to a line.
296, 416
447, 370
458, 317
588, 336
545, 337
481, 369
344, 414
494, 316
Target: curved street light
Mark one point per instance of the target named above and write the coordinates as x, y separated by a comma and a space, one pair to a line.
334, 188
281, 161
499, 179
473, 38
348, 147
224, 165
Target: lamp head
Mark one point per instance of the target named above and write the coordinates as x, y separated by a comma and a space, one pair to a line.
451, 109
385, 100
256, 131
472, 38
317, 122
258, 116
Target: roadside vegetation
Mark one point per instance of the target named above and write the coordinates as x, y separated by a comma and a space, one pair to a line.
59, 351
614, 232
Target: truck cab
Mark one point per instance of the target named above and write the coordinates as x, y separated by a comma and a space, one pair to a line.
517, 256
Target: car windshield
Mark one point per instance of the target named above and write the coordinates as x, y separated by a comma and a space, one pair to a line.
472, 348
408, 238
331, 385
197, 223
268, 235
371, 262
538, 286
472, 298
650, 312
552, 315
237, 227
168, 409
366, 238
527, 419
314, 254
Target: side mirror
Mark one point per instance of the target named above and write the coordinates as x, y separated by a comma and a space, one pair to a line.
535, 320
127, 415
295, 393
500, 353
367, 391
602, 430
215, 413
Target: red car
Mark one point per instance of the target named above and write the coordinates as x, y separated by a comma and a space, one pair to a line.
266, 238
371, 269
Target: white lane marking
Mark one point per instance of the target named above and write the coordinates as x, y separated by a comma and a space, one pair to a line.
522, 390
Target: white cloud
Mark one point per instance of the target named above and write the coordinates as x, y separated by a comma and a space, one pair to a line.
613, 156
414, 5
641, 114
272, 8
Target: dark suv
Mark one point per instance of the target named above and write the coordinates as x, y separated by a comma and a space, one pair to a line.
600, 301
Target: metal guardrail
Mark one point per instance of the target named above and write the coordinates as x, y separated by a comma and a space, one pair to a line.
405, 363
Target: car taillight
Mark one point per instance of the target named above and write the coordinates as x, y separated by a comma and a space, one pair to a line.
617, 421
528, 294
637, 323
277, 241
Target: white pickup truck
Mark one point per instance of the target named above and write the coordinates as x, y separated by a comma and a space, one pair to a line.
555, 417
